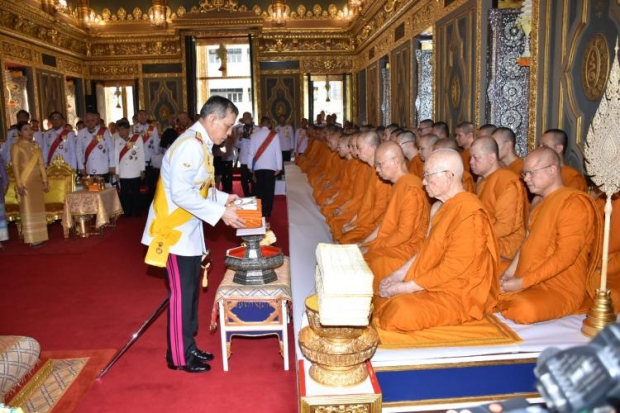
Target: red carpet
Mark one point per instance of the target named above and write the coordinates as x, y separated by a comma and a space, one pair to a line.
85, 294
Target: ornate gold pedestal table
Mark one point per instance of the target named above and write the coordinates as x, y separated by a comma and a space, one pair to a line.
82, 206
253, 310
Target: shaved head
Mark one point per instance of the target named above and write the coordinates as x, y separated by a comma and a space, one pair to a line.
555, 139
391, 149
446, 144
484, 156
425, 145
367, 143
487, 145
542, 171
443, 173
390, 161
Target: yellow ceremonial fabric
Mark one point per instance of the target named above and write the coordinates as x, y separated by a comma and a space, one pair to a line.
489, 331
29, 171
457, 269
571, 177
402, 230
163, 226
503, 195
557, 259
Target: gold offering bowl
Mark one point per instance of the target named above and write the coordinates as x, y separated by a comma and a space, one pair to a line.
338, 354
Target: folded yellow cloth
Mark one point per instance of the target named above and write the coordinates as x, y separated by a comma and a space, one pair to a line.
489, 331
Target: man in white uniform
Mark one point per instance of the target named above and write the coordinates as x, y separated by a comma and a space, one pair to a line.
95, 149
11, 136
242, 135
174, 231
266, 156
286, 133
130, 166
150, 139
301, 138
59, 141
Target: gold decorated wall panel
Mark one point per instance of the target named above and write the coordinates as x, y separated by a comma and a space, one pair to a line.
402, 74
455, 66
281, 94
51, 91
163, 97
575, 59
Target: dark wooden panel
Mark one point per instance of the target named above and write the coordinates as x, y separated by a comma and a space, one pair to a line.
51, 86
372, 92
281, 95
401, 85
163, 97
162, 68
361, 98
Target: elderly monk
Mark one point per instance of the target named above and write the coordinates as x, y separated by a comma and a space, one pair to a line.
557, 140
406, 140
324, 186
506, 141
403, 229
503, 195
328, 159
464, 139
468, 180
454, 277
550, 273
375, 199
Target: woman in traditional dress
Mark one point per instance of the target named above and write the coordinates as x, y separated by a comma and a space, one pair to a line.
4, 186
31, 182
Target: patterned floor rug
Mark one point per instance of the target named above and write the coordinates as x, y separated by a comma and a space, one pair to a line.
60, 381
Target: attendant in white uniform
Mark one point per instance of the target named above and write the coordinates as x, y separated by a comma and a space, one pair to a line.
95, 149
150, 139
59, 141
301, 138
130, 167
243, 146
175, 225
286, 133
266, 163
12, 136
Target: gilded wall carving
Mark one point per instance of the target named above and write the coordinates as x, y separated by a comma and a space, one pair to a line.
19, 52
279, 44
281, 95
595, 67
109, 70
51, 88
509, 85
326, 65
141, 48
163, 97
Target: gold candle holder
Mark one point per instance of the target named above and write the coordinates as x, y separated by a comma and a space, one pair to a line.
601, 313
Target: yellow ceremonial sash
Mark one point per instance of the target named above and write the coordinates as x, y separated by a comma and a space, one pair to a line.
163, 226
29, 166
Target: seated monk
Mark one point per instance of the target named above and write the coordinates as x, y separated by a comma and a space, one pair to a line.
321, 170
464, 139
346, 175
309, 157
403, 229
468, 180
557, 140
548, 277
375, 199
613, 263
454, 277
406, 140
503, 195
506, 141
323, 186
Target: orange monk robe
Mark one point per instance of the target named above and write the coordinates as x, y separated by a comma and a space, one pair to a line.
457, 268
371, 211
613, 263
416, 167
362, 179
516, 166
573, 178
465, 156
557, 259
333, 169
317, 171
469, 184
504, 197
342, 187
306, 159
402, 230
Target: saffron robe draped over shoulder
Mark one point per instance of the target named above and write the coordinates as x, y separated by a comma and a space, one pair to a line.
324, 187
416, 166
402, 230
371, 211
363, 179
571, 177
345, 187
557, 259
457, 267
503, 195
516, 166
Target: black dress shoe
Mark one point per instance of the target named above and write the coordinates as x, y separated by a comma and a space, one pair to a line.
202, 355
193, 366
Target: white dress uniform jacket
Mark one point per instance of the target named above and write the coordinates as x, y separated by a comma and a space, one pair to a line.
151, 141
271, 158
66, 147
286, 134
243, 146
132, 163
101, 159
11, 138
182, 174
301, 140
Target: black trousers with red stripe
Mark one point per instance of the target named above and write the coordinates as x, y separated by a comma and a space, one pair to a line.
183, 278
